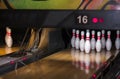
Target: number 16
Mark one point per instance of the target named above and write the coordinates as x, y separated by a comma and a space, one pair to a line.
83, 19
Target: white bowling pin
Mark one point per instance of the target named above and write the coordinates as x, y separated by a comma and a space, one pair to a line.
108, 42
77, 40
93, 42
82, 41
117, 41
87, 30
103, 39
98, 43
73, 38
8, 38
87, 43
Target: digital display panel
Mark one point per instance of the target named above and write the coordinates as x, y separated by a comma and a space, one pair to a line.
92, 19
61, 13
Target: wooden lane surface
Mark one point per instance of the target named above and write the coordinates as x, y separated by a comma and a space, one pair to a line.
61, 65
7, 50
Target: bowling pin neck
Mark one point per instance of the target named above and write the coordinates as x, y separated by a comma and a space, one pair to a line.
87, 38
82, 36
8, 33
118, 35
77, 35
108, 33
97, 66
73, 34
109, 36
103, 35
98, 37
103, 31
93, 36
87, 67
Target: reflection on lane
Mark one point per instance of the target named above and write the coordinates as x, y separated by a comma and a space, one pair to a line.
108, 54
89, 62
92, 58
82, 60
116, 52
7, 50
103, 58
98, 60
65, 64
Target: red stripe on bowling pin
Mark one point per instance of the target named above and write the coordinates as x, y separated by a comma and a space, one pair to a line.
8, 34
98, 37
82, 37
93, 36
87, 38
73, 34
86, 67
108, 36
77, 35
118, 35
103, 35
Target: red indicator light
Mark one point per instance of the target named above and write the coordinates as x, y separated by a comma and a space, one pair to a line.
94, 75
118, 77
24, 58
101, 20
95, 20
105, 63
12, 62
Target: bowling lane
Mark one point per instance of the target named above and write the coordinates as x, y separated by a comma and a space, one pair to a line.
17, 35
8, 50
65, 64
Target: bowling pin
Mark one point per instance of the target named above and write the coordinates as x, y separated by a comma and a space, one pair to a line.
73, 38
117, 41
8, 38
108, 42
98, 43
82, 41
103, 39
77, 40
87, 30
87, 43
93, 42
